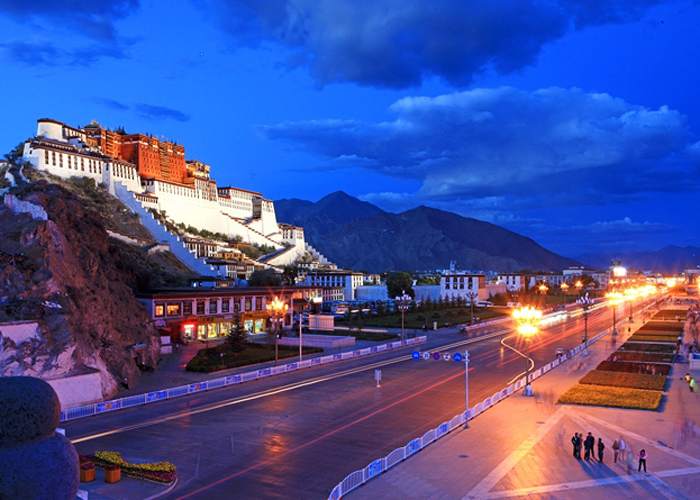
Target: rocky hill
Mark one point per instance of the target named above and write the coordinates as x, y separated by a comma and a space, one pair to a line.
359, 235
71, 257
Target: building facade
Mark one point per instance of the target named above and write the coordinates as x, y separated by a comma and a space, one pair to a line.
210, 313
336, 278
456, 285
513, 282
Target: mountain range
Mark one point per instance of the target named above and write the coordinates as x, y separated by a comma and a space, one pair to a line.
669, 259
358, 235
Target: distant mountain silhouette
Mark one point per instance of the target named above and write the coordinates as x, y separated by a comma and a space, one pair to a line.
669, 259
359, 235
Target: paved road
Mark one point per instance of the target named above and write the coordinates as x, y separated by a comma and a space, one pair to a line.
298, 440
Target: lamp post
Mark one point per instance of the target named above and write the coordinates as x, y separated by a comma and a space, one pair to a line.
585, 302
527, 321
615, 297
277, 309
472, 298
466, 389
542, 289
309, 302
402, 302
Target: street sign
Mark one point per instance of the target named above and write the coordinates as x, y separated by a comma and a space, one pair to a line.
437, 356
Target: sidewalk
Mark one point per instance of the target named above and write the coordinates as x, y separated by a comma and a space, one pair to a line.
522, 448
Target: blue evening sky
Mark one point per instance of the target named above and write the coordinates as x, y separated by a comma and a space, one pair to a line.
573, 122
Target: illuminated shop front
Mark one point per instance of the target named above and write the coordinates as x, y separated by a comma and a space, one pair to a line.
199, 314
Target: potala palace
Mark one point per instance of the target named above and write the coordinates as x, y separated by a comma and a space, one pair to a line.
153, 176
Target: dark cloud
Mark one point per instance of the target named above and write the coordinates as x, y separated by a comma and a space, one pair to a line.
504, 141
47, 54
160, 112
149, 111
91, 18
83, 20
397, 43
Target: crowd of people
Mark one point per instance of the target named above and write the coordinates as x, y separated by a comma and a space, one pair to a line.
622, 452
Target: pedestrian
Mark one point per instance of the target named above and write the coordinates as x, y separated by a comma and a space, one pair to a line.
642, 461
623, 448
575, 443
692, 384
630, 461
616, 450
601, 447
588, 445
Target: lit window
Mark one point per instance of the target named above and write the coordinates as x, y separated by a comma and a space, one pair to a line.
159, 310
173, 309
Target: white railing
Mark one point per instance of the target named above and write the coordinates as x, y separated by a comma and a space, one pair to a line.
238, 378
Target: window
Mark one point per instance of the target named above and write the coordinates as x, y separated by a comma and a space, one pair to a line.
46, 156
225, 305
173, 309
200, 306
187, 308
258, 303
248, 303
236, 305
213, 306
53, 158
159, 310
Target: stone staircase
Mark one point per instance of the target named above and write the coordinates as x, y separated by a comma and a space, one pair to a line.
162, 235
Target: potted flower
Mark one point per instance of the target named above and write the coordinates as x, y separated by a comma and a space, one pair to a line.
113, 473
87, 471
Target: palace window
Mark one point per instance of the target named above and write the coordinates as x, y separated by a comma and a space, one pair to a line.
46, 156
173, 309
213, 306
53, 158
258, 303
187, 307
225, 306
200, 306
248, 303
159, 310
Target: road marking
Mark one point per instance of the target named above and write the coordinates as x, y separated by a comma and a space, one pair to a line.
482, 489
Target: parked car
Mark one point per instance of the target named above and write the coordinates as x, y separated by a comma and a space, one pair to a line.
484, 303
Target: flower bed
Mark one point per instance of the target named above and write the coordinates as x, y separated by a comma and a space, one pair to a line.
648, 357
621, 366
648, 347
162, 472
624, 379
664, 326
618, 397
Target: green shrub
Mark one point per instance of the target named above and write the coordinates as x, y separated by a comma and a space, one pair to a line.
221, 357
619, 397
652, 338
648, 347
624, 379
649, 357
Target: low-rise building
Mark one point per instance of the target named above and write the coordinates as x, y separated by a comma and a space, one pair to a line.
514, 282
189, 314
334, 278
371, 293
457, 285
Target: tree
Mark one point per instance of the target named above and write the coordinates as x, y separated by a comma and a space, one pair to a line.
236, 339
265, 277
396, 282
289, 275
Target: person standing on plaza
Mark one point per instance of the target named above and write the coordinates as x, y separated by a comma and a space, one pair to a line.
616, 450
588, 444
623, 448
642, 461
575, 443
601, 447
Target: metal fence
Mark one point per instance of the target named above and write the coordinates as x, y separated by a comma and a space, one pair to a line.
238, 378
380, 465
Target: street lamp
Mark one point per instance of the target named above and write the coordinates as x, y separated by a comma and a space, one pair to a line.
585, 302
277, 309
542, 289
527, 320
579, 285
614, 298
472, 298
403, 301
309, 302
564, 286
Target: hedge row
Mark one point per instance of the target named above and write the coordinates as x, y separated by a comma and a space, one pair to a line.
652, 338
629, 367
648, 347
624, 379
649, 357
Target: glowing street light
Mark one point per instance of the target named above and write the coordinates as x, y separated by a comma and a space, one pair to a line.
578, 285
614, 299
543, 288
527, 321
277, 309
564, 286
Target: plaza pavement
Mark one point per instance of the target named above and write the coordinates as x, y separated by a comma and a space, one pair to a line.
521, 448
